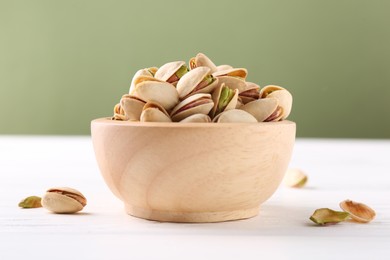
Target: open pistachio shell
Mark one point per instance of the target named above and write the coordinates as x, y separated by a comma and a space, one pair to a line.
240, 73
224, 99
224, 67
158, 91
154, 112
239, 103
197, 118
198, 80
324, 216
235, 116
63, 200
261, 109
119, 113
250, 93
195, 104
266, 90
285, 101
143, 72
233, 83
132, 107
167, 71
201, 60
358, 211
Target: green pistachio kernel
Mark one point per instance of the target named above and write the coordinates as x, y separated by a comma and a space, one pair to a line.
328, 216
31, 202
226, 96
180, 72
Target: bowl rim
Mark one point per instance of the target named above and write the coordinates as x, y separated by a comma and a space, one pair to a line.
109, 121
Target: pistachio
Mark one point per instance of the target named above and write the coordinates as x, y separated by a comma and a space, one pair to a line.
325, 216
119, 113
31, 202
174, 85
63, 200
225, 98
358, 211
180, 72
295, 178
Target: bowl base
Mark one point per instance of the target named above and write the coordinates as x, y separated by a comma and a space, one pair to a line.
191, 217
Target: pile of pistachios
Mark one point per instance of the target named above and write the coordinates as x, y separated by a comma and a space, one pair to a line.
200, 92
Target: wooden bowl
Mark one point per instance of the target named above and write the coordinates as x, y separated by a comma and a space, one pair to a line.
192, 172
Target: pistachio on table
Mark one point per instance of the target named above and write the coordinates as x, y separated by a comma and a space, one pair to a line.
358, 211
63, 200
295, 178
30, 202
325, 216
176, 91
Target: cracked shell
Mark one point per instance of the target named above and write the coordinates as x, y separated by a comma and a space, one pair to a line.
262, 109
250, 93
167, 72
233, 83
142, 72
240, 73
119, 113
285, 101
63, 200
132, 107
196, 118
195, 104
358, 211
266, 90
201, 60
230, 103
235, 116
154, 112
224, 67
198, 80
151, 89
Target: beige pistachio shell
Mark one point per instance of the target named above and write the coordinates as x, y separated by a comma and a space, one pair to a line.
154, 115
187, 84
132, 107
239, 103
250, 93
197, 118
261, 109
63, 200
168, 69
154, 112
295, 178
285, 101
162, 92
119, 113
216, 96
235, 116
266, 90
224, 67
143, 72
201, 60
234, 72
232, 83
195, 104
358, 211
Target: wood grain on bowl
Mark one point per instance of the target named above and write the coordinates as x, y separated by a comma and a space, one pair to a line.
192, 172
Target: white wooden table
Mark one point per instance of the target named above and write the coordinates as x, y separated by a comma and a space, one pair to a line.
337, 169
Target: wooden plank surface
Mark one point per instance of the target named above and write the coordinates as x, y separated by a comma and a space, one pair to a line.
337, 170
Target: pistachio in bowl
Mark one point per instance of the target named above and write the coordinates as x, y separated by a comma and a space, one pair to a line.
195, 143
202, 89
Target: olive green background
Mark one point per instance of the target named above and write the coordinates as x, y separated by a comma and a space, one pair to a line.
63, 63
